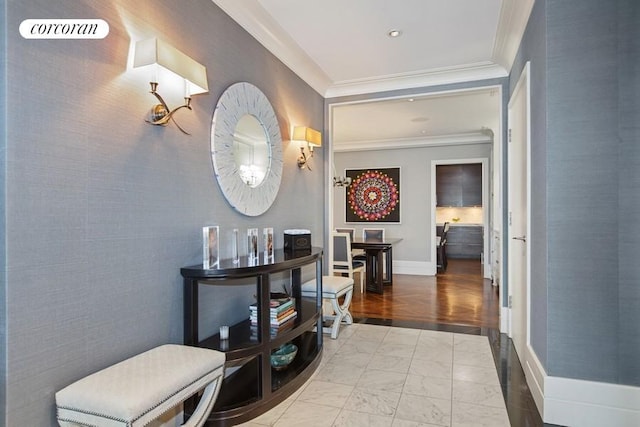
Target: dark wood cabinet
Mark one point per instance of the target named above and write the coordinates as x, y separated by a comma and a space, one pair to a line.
465, 241
251, 386
459, 185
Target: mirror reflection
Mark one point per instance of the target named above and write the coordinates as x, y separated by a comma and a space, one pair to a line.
251, 150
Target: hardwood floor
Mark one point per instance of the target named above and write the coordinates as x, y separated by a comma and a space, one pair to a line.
460, 296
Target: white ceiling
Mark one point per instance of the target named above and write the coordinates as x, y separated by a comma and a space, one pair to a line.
341, 47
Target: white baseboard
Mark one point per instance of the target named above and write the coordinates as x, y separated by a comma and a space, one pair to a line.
487, 272
505, 318
571, 402
417, 268
535, 374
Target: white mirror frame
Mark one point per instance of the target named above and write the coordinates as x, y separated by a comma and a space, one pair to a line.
240, 99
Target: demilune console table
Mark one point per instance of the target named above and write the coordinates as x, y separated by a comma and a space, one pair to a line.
251, 386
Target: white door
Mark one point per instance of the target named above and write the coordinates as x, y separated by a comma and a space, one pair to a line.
518, 271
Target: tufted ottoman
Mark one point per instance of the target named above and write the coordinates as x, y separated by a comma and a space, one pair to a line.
333, 287
140, 389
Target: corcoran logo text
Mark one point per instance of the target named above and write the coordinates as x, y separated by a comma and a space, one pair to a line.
64, 29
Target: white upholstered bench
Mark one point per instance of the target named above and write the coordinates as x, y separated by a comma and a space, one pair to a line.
140, 389
333, 287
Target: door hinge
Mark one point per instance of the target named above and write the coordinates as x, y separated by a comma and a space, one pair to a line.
510, 301
509, 135
510, 219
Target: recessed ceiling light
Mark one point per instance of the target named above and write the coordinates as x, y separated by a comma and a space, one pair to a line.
394, 33
410, 99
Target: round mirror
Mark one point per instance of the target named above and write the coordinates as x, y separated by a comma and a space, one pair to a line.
246, 149
251, 151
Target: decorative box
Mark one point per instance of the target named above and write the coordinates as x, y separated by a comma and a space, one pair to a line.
297, 240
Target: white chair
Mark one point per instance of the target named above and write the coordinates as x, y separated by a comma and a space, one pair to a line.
333, 287
343, 262
352, 234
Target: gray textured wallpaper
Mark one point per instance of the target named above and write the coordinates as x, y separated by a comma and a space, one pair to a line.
585, 298
103, 209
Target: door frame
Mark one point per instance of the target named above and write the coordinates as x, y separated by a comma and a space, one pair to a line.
524, 83
495, 191
486, 232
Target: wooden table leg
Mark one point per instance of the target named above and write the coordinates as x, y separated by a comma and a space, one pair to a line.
389, 266
374, 270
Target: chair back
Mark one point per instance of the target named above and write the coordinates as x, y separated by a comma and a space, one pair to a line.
351, 231
373, 234
445, 230
341, 249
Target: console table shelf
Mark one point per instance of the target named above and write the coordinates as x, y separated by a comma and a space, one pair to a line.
252, 387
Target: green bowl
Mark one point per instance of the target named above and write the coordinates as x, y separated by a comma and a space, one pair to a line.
283, 356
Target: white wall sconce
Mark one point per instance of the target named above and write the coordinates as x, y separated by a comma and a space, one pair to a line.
168, 64
311, 137
340, 181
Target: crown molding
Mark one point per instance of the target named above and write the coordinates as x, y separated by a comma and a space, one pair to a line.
429, 141
514, 16
251, 16
441, 76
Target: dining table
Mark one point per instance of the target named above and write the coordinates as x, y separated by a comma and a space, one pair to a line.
378, 258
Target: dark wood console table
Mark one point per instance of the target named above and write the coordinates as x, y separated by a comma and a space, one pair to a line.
254, 387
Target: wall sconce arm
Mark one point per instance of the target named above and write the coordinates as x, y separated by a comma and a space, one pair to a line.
160, 113
302, 160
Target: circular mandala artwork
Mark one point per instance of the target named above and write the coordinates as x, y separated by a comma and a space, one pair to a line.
372, 196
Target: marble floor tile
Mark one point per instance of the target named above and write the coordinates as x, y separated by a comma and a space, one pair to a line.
326, 393
439, 388
270, 417
469, 415
350, 358
382, 380
340, 373
424, 409
384, 362
377, 375
346, 331
478, 394
474, 359
436, 338
359, 346
331, 346
471, 344
402, 336
429, 368
395, 349
305, 414
433, 353
347, 418
405, 423
475, 374
371, 332
373, 402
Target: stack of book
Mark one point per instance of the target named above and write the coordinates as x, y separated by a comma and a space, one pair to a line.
281, 310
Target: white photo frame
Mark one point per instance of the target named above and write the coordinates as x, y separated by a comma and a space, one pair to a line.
252, 243
210, 247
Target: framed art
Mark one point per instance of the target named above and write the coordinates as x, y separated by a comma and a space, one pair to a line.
210, 258
373, 196
267, 237
252, 243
